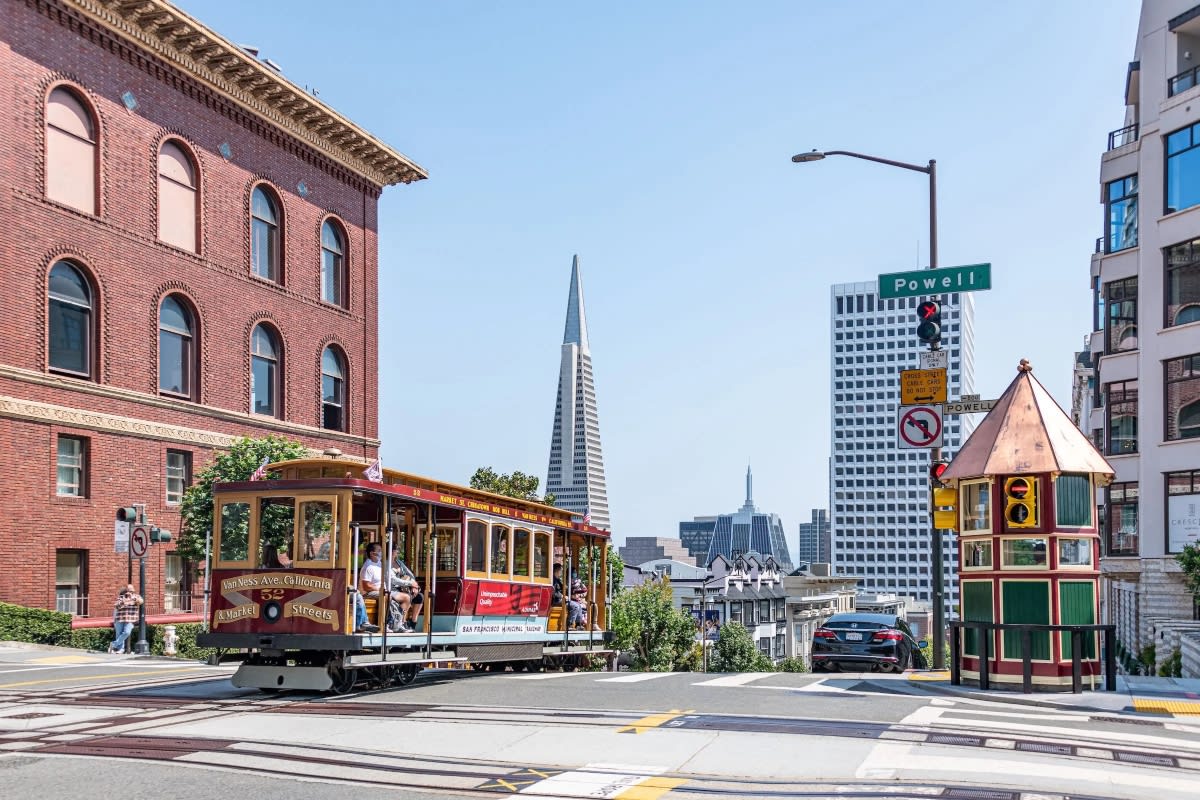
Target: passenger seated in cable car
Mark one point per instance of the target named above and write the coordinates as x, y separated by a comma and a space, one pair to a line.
576, 611
406, 596
273, 559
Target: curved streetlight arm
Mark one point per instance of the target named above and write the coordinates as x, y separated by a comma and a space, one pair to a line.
902, 164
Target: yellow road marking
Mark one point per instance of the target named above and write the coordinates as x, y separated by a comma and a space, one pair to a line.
1166, 706
653, 721
139, 674
933, 675
65, 660
650, 789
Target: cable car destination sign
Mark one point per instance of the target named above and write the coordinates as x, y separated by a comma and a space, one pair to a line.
921, 282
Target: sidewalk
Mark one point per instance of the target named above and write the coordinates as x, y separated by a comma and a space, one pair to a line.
1135, 694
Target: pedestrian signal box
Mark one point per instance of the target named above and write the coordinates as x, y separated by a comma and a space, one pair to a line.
1020, 502
929, 329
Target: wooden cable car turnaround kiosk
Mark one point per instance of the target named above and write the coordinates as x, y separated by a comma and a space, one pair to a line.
286, 555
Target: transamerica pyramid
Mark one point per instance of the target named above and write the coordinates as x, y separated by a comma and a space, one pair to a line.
576, 473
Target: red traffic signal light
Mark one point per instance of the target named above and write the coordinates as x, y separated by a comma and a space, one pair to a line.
936, 470
930, 328
1018, 488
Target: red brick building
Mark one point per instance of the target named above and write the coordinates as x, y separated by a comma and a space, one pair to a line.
189, 255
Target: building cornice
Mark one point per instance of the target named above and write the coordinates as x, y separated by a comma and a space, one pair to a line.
164, 30
47, 412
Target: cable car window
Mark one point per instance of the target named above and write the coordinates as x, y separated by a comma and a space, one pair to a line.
447, 549
276, 517
541, 555
234, 533
499, 565
476, 546
316, 530
521, 554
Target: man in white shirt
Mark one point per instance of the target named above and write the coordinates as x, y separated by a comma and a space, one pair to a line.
370, 577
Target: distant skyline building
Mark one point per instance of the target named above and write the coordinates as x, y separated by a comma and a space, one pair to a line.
695, 534
638, 550
814, 545
750, 531
576, 472
879, 504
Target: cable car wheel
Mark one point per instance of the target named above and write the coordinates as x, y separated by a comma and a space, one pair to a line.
343, 678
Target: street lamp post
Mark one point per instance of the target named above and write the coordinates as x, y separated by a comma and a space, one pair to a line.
939, 582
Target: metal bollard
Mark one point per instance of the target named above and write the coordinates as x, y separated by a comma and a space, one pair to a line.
169, 640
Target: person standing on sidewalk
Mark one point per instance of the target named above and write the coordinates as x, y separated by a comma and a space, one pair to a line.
125, 616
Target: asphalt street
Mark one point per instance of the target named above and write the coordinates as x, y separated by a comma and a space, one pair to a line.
164, 728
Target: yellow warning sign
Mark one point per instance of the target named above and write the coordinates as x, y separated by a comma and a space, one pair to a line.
922, 386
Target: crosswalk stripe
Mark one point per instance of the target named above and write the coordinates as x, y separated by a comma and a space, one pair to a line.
635, 677
739, 679
543, 676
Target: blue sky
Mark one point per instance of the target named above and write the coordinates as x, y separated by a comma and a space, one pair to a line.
654, 141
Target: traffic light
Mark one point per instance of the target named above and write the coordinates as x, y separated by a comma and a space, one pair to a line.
1020, 502
936, 470
929, 330
944, 499
159, 535
127, 514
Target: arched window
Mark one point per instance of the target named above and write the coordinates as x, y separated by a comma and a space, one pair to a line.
1189, 313
71, 320
71, 153
333, 391
333, 264
176, 348
177, 197
264, 372
264, 234
1189, 421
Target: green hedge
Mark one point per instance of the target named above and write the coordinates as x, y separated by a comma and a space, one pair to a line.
39, 626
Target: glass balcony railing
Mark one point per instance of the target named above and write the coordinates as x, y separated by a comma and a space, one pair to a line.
1123, 136
1183, 81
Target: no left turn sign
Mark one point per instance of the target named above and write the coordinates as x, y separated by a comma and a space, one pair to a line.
919, 427
139, 540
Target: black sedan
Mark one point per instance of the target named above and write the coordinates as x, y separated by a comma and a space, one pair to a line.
866, 641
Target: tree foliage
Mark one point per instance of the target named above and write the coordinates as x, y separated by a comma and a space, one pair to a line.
515, 484
646, 623
616, 566
1189, 560
236, 464
734, 651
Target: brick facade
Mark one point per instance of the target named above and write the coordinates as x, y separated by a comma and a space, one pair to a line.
127, 423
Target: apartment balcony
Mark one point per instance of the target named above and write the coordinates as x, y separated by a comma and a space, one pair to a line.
1122, 137
1185, 80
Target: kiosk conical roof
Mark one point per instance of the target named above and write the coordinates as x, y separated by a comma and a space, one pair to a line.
1026, 431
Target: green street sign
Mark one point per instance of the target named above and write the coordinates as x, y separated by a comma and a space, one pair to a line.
971, 278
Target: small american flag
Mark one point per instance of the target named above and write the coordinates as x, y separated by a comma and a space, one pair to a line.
587, 518
374, 471
261, 472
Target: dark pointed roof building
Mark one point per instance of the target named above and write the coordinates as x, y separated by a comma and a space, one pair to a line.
749, 530
576, 472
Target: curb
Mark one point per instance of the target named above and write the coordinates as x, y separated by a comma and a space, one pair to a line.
1020, 698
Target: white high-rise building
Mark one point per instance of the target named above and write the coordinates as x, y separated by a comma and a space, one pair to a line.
879, 493
1145, 273
576, 472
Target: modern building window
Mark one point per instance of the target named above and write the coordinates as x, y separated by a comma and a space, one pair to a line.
178, 207
71, 151
1182, 290
1122, 519
1121, 322
333, 264
1182, 419
179, 475
1121, 210
1183, 507
70, 582
176, 348
264, 234
71, 320
333, 390
264, 372
1073, 501
1122, 410
1183, 169
72, 466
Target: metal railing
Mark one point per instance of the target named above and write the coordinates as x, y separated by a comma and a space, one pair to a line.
1182, 82
1100, 242
1123, 136
984, 632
